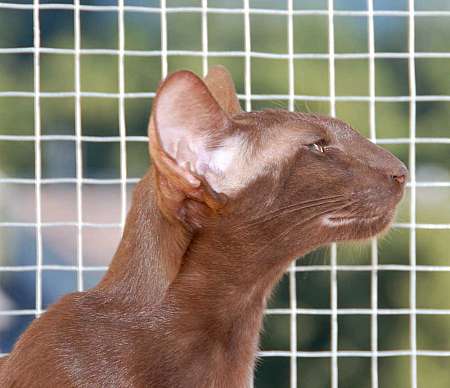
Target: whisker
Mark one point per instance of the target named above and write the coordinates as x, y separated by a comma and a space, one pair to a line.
314, 216
278, 104
275, 215
302, 222
308, 206
296, 206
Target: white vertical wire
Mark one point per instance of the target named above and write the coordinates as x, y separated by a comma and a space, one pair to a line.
248, 48
204, 37
290, 25
37, 154
292, 273
412, 168
78, 145
374, 246
333, 250
122, 122
248, 84
164, 66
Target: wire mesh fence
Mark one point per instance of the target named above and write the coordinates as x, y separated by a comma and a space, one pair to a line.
76, 83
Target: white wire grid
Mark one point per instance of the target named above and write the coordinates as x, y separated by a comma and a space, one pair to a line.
334, 353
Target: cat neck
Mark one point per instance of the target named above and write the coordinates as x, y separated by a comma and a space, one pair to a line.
150, 252
219, 298
210, 288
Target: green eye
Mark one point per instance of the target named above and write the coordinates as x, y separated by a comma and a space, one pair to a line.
318, 146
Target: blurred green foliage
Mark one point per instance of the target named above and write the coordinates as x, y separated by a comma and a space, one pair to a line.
99, 73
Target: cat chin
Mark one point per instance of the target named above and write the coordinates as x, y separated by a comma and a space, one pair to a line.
357, 228
337, 222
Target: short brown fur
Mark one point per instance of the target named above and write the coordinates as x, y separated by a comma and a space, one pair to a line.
182, 302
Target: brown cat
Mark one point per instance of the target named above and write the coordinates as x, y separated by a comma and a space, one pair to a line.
230, 200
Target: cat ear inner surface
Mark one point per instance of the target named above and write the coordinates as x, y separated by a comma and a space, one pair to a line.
189, 135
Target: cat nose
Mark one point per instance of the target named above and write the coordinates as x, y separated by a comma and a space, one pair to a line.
399, 178
400, 175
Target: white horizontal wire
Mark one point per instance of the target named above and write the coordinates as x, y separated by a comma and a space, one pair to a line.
287, 311
73, 94
358, 311
92, 181
260, 97
308, 268
380, 267
57, 224
84, 181
343, 353
51, 267
144, 139
356, 353
420, 226
217, 10
113, 225
196, 53
98, 139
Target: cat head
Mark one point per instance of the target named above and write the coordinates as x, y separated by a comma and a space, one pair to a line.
271, 174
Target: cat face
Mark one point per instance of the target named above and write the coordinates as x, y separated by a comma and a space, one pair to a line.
273, 173
318, 173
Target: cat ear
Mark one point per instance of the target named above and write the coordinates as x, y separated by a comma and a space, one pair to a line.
188, 135
221, 85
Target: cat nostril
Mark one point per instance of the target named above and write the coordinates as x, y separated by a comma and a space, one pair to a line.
399, 174
399, 178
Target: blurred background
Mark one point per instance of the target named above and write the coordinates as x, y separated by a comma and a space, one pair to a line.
101, 189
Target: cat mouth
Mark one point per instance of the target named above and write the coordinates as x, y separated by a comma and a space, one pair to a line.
351, 227
349, 220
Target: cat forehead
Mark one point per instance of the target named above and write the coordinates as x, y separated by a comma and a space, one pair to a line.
259, 143
263, 140
279, 121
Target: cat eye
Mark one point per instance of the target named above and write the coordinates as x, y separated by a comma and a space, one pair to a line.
318, 146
